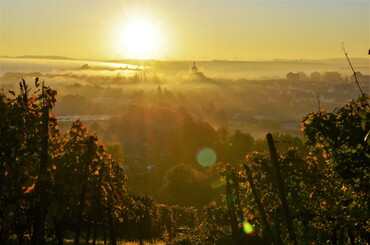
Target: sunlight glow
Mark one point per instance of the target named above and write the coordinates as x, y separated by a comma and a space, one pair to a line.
140, 38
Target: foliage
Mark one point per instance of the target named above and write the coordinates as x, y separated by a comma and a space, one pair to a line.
84, 184
186, 186
342, 137
326, 181
20, 144
326, 189
86, 187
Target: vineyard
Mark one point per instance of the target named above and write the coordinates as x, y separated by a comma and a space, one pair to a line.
68, 188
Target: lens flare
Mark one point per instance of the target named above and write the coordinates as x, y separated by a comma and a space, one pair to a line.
247, 227
217, 184
206, 157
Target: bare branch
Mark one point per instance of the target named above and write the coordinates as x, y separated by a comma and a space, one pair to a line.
354, 73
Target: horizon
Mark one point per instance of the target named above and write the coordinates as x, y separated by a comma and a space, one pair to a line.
57, 57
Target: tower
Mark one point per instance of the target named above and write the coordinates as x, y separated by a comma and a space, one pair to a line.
194, 69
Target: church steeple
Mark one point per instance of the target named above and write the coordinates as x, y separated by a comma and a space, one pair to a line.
194, 69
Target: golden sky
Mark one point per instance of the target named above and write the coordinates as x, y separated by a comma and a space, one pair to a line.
185, 29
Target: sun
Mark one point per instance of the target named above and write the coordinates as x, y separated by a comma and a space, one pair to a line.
140, 39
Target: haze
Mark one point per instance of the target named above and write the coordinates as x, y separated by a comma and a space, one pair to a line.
185, 30
184, 122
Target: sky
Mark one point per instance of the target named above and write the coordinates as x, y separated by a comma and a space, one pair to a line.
185, 29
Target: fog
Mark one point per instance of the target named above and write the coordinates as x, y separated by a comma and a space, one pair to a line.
256, 97
158, 116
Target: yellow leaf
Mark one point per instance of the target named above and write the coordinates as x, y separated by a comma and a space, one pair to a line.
30, 188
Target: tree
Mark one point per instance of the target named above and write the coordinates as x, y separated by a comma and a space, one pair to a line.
20, 144
315, 76
342, 137
83, 183
332, 76
184, 185
240, 145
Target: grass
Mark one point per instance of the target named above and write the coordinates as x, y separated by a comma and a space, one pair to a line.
137, 243
68, 242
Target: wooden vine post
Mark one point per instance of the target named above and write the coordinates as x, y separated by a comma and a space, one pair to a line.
281, 187
261, 210
39, 226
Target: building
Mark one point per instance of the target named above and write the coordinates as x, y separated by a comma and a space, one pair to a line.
292, 77
194, 69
